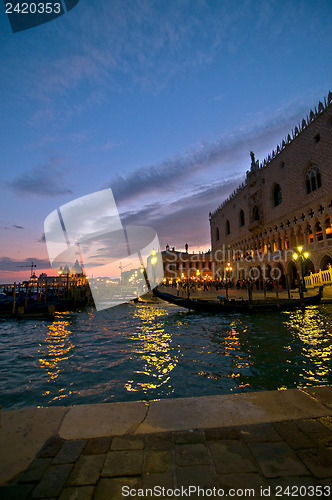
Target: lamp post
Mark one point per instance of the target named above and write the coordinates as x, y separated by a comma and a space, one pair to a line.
228, 270
143, 271
154, 262
302, 256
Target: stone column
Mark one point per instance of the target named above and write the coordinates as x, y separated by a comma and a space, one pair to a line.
306, 236
296, 239
313, 229
323, 226
282, 240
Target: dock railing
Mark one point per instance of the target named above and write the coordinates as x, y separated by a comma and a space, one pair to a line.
318, 279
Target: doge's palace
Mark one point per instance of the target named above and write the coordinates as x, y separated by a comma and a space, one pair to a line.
284, 202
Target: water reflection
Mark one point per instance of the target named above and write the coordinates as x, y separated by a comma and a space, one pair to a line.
148, 351
275, 351
313, 329
153, 352
230, 344
54, 353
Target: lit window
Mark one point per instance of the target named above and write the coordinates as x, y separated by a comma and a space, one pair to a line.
328, 228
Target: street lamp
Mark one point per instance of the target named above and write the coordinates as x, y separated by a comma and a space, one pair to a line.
228, 270
302, 256
154, 262
154, 258
143, 271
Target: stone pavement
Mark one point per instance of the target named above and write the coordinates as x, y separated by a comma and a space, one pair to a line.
275, 444
257, 461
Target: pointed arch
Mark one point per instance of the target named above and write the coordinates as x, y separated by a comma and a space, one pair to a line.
241, 218
255, 213
313, 178
276, 195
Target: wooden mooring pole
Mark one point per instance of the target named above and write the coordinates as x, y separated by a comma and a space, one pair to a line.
26, 294
14, 297
288, 286
250, 288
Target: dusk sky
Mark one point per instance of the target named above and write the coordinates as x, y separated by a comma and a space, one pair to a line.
162, 101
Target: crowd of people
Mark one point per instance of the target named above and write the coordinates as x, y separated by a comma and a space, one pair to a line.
186, 286
191, 286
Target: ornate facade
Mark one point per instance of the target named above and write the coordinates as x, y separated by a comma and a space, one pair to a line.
183, 265
284, 202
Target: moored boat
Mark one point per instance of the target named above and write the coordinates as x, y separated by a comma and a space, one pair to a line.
34, 309
225, 305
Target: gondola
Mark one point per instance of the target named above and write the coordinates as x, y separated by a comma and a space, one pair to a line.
224, 305
34, 309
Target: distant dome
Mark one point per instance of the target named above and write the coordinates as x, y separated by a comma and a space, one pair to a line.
76, 269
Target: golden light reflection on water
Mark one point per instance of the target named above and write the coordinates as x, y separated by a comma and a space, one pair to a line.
154, 349
54, 351
236, 330
311, 328
229, 346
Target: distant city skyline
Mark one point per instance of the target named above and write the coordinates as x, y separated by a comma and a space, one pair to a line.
161, 101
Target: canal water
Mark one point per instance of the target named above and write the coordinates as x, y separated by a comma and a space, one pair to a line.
157, 350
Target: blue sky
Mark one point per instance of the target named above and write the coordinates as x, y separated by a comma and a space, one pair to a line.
160, 100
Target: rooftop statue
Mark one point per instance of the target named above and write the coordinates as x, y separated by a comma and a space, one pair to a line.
254, 162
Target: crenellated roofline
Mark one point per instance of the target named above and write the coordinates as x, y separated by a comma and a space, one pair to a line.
322, 106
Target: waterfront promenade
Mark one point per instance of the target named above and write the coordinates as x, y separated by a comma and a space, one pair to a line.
234, 293
259, 443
